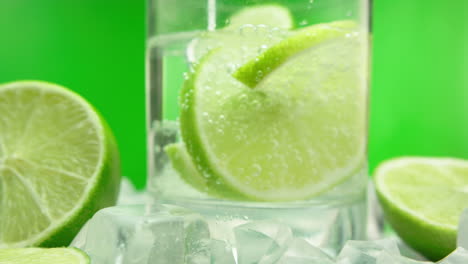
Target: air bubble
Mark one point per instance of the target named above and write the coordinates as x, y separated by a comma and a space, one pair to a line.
247, 30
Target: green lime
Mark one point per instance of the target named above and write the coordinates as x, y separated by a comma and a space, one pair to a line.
269, 15
300, 132
258, 68
423, 198
271, 19
59, 164
43, 256
183, 165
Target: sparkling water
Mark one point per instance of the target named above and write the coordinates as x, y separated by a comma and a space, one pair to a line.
326, 221
232, 163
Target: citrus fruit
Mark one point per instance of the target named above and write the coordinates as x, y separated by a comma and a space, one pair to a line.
43, 256
298, 133
59, 164
268, 18
423, 199
268, 14
255, 70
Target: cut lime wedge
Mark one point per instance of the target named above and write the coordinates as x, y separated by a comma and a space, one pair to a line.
423, 199
43, 256
269, 15
296, 135
258, 68
58, 164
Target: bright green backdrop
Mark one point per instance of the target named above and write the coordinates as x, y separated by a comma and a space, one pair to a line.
96, 47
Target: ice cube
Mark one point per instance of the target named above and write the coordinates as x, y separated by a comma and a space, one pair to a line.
459, 256
366, 252
386, 258
129, 194
261, 242
127, 234
221, 252
375, 218
462, 237
302, 252
408, 252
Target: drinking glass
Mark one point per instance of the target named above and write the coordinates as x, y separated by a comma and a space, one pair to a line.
257, 113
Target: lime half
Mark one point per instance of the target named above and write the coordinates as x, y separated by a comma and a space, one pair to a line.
423, 199
58, 164
43, 256
300, 132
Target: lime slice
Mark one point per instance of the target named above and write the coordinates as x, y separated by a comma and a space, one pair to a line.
58, 164
269, 15
271, 19
423, 199
257, 69
43, 256
296, 135
183, 164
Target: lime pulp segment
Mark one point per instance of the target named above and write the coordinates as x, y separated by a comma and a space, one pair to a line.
423, 199
301, 131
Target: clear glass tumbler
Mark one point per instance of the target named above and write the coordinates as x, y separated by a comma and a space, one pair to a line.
257, 111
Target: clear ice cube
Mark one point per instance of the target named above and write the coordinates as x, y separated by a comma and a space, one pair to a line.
302, 252
126, 234
221, 252
261, 242
386, 258
367, 252
462, 237
459, 256
129, 194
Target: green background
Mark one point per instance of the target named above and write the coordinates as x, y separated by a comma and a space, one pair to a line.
96, 47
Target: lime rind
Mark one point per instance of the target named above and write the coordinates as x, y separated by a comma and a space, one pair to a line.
420, 197
254, 71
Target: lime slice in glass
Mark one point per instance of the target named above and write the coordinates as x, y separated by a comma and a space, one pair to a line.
271, 19
183, 165
269, 15
423, 199
297, 134
43, 256
58, 164
257, 69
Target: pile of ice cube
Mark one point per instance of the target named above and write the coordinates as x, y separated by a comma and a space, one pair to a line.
138, 234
